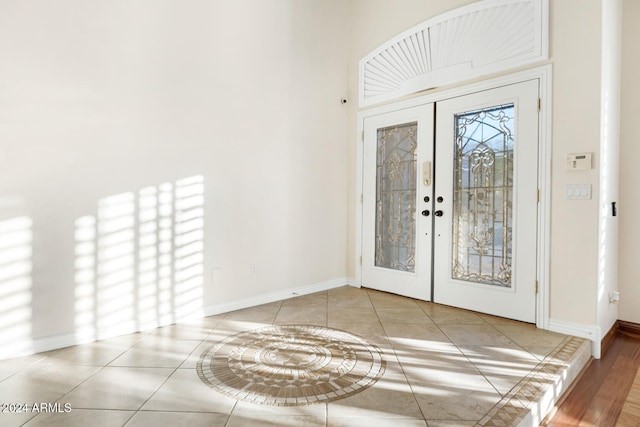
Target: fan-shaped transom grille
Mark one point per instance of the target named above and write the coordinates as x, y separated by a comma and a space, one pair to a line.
475, 40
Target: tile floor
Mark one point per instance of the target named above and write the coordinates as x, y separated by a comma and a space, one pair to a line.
445, 367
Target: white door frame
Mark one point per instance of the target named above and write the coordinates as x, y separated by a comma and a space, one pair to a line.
544, 74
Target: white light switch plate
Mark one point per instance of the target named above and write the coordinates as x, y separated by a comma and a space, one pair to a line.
577, 192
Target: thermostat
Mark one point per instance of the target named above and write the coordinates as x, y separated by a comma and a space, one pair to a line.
578, 162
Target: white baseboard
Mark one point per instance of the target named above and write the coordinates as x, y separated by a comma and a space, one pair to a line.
54, 342
590, 332
275, 296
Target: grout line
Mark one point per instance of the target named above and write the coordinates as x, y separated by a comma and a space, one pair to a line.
231, 413
24, 368
101, 368
395, 354
130, 418
273, 321
389, 352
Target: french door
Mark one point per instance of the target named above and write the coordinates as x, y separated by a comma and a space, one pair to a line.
450, 201
397, 244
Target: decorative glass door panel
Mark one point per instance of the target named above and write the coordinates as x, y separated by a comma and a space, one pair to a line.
396, 241
483, 195
486, 209
396, 197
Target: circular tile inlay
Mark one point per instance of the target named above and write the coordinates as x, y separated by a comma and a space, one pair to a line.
291, 365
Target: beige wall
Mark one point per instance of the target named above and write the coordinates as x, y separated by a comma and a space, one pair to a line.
575, 55
106, 98
629, 252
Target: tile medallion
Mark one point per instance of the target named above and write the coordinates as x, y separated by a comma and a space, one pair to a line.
291, 365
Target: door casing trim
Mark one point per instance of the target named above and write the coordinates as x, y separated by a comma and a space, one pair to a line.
544, 75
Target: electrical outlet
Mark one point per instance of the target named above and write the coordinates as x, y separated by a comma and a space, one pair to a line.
614, 297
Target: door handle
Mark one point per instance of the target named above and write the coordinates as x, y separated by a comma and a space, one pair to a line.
438, 213
425, 213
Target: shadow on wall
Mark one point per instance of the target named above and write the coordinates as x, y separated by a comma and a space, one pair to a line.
16, 237
139, 260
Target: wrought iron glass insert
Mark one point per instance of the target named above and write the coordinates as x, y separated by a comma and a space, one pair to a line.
483, 196
396, 197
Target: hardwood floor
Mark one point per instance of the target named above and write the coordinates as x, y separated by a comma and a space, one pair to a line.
608, 392
630, 415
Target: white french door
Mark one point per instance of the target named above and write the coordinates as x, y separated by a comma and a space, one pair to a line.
453, 219
396, 251
485, 238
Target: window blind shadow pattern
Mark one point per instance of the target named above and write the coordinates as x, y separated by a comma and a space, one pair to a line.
16, 265
139, 260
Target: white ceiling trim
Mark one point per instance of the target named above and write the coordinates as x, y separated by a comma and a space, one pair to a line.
482, 38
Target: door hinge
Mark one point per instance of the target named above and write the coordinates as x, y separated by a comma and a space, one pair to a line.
536, 287
362, 136
361, 198
538, 195
539, 104
360, 259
